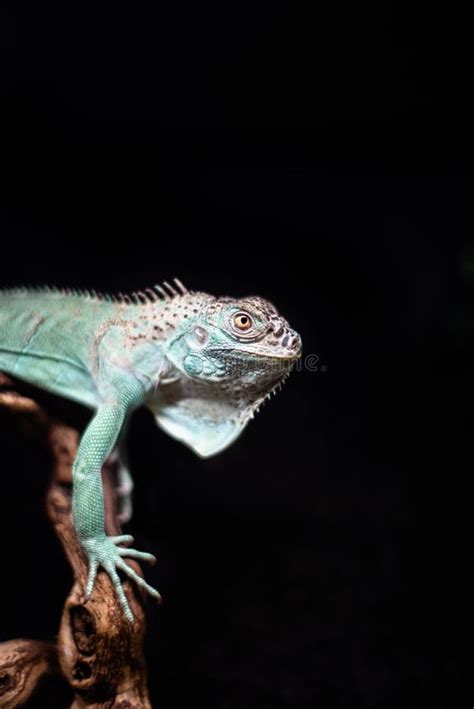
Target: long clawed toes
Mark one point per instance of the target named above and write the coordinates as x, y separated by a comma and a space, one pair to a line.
111, 557
138, 579
111, 570
93, 566
139, 555
122, 539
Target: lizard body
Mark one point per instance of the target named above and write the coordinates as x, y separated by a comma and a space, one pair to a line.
202, 365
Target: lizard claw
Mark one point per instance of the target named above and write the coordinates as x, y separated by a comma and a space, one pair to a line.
104, 552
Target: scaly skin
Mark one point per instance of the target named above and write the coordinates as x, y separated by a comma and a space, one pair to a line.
202, 364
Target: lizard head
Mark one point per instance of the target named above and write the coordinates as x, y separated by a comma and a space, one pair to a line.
225, 360
240, 343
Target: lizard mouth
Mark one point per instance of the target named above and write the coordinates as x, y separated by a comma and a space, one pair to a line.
271, 366
269, 355
289, 357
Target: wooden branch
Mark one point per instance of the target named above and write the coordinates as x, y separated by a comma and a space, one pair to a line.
22, 664
98, 652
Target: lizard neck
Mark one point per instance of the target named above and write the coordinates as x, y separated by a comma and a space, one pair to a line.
162, 320
142, 332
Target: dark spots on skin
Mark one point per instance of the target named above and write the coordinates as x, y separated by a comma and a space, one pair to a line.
284, 342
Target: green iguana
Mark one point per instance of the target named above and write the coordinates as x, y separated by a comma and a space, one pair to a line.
203, 365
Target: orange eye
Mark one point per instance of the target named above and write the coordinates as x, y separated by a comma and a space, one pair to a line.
242, 321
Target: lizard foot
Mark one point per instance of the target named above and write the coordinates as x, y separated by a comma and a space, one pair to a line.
104, 552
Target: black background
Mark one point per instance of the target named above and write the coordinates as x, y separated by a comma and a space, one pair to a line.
319, 155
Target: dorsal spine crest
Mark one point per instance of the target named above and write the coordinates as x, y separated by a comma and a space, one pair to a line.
165, 293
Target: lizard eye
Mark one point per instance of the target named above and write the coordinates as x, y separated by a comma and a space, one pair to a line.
243, 322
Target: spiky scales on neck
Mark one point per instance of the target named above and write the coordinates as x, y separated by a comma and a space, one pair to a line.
224, 360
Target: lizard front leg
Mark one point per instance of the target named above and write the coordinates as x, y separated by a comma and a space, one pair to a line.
96, 444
